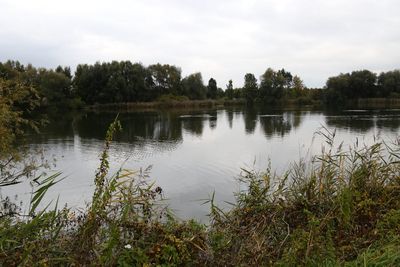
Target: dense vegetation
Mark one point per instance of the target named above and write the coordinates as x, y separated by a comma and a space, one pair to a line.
18, 101
362, 84
127, 82
338, 208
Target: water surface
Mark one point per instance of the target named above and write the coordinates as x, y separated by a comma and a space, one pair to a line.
195, 152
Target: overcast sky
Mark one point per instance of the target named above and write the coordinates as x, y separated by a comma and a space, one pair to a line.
224, 39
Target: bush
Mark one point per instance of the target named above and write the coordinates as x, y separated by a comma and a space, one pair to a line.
339, 208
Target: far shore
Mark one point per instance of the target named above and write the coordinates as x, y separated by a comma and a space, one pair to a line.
168, 104
364, 103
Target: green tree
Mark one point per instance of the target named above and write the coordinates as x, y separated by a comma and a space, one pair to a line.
250, 88
89, 82
229, 89
389, 83
55, 87
298, 86
212, 89
284, 79
193, 86
165, 79
64, 70
268, 90
220, 93
17, 102
362, 84
358, 84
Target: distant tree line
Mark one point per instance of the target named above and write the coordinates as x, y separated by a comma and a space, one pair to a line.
124, 81
362, 84
50, 86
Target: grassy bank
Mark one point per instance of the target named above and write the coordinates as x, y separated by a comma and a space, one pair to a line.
373, 103
287, 103
168, 103
341, 207
176, 102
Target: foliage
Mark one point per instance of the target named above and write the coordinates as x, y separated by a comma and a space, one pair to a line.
53, 87
17, 102
389, 83
250, 88
229, 90
193, 87
361, 84
165, 79
212, 89
112, 82
126, 82
278, 85
124, 225
340, 208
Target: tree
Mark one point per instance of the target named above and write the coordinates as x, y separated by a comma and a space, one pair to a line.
55, 87
284, 79
389, 83
114, 82
90, 81
298, 86
274, 85
362, 84
268, 90
220, 93
17, 101
358, 84
165, 79
250, 88
229, 90
212, 89
64, 70
193, 86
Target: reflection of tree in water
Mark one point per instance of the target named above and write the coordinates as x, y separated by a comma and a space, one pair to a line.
231, 112
229, 115
154, 125
297, 118
168, 127
250, 120
194, 124
359, 123
389, 122
58, 127
162, 131
213, 119
280, 124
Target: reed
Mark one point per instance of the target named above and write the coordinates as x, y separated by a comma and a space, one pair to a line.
166, 103
341, 207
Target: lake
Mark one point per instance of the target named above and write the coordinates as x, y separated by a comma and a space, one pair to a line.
194, 152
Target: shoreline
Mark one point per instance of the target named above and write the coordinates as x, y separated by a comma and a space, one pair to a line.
166, 104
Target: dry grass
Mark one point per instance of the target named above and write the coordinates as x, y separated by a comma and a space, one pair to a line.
340, 208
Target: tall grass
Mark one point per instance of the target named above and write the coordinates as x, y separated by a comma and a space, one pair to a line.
340, 208
167, 102
125, 224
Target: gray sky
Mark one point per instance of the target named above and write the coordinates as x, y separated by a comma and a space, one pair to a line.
223, 39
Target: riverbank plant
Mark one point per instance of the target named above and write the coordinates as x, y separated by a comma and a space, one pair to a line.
341, 207
125, 224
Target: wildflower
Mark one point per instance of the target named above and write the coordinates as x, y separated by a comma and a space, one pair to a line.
128, 246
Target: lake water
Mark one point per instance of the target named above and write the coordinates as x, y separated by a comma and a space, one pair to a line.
195, 152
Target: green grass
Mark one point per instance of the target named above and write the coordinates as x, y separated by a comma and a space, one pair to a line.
341, 208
